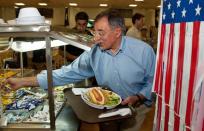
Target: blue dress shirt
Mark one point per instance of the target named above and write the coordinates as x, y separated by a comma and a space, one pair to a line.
128, 72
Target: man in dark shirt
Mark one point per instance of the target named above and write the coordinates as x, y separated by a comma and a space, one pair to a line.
81, 19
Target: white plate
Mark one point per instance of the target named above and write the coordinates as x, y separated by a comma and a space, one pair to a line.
87, 101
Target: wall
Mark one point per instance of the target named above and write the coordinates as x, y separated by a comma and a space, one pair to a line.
7, 13
59, 15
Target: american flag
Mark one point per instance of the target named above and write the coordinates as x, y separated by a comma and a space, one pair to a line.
178, 82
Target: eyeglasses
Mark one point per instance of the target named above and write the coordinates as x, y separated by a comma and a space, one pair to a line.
98, 33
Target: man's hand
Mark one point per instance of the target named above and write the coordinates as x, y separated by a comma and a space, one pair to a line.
130, 100
135, 100
15, 83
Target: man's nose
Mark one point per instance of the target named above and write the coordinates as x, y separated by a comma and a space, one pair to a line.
96, 38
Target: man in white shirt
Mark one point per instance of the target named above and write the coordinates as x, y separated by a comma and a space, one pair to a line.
138, 22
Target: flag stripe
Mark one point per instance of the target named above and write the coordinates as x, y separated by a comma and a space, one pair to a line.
166, 118
159, 112
194, 61
186, 72
160, 60
180, 67
169, 64
179, 74
174, 74
199, 88
159, 76
169, 75
203, 125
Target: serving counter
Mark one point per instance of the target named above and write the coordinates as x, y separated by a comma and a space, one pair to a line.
50, 39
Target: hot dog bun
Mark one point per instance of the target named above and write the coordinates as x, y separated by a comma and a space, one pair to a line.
97, 96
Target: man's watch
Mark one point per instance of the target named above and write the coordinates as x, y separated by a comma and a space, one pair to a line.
139, 97
140, 100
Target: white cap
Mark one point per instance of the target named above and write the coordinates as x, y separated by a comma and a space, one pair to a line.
29, 15
28, 12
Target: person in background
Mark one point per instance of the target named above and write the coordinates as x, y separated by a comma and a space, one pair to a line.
123, 64
39, 59
81, 20
135, 30
145, 37
144, 32
153, 36
15, 62
73, 52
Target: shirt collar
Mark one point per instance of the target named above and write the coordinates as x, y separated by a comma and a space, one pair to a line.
122, 46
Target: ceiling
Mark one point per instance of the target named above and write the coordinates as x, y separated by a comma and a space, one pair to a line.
84, 3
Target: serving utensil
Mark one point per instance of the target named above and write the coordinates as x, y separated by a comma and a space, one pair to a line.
35, 94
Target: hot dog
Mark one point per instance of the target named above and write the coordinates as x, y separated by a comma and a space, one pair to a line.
97, 96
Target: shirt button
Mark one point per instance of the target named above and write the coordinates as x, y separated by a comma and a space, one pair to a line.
117, 84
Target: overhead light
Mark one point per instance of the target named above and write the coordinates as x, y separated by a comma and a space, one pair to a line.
16, 7
19, 4
42, 4
139, 0
132, 5
159, 6
73, 4
103, 5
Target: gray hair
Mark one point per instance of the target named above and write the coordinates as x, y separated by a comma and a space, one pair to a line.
114, 19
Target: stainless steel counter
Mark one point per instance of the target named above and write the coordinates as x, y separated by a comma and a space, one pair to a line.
25, 28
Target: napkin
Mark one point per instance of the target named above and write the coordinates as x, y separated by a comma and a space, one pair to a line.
121, 112
78, 91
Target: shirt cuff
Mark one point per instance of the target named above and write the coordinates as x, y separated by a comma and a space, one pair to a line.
42, 79
146, 94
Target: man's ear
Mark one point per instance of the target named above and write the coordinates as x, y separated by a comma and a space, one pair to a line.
118, 32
